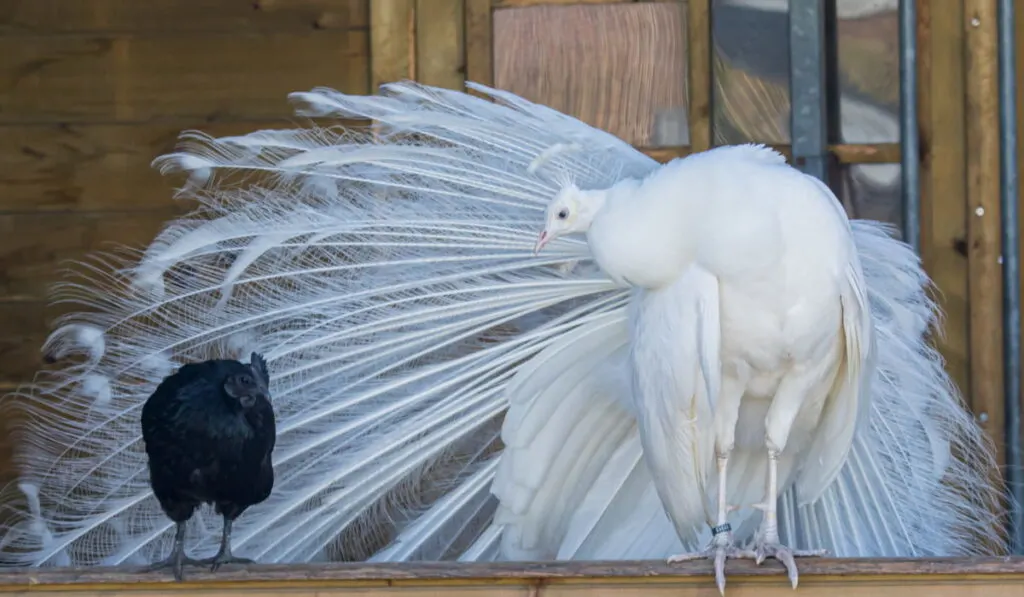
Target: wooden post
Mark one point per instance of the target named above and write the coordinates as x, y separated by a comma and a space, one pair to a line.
439, 43
698, 73
479, 47
943, 177
392, 41
983, 240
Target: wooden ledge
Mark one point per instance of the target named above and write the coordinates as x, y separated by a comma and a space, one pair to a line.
990, 577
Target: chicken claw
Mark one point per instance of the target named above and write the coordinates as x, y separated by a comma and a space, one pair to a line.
176, 562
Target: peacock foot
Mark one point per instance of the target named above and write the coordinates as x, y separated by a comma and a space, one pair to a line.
721, 548
773, 549
176, 562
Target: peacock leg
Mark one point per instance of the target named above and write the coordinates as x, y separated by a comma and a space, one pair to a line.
224, 556
722, 544
767, 544
177, 560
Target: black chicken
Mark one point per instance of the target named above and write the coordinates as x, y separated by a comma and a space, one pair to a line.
209, 430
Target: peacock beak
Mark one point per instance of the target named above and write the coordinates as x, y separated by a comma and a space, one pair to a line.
541, 241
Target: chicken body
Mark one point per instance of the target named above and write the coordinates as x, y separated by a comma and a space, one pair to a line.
209, 431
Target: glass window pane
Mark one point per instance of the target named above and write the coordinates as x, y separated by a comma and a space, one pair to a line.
752, 71
619, 67
751, 61
869, 73
871, 192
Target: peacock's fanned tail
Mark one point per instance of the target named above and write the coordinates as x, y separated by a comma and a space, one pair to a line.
387, 274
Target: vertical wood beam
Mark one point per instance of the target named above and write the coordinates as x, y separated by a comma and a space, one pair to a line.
698, 73
1019, 18
479, 42
439, 43
926, 129
392, 41
983, 232
943, 143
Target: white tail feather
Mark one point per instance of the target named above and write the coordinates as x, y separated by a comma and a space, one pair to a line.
387, 275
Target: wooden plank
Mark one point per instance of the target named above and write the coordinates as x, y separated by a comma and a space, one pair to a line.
522, 3
983, 245
877, 153
25, 326
918, 587
31, 17
439, 43
392, 43
34, 246
1019, 39
435, 574
60, 167
620, 68
943, 179
698, 71
136, 79
479, 42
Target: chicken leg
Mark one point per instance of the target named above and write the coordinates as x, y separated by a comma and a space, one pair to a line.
767, 544
722, 545
224, 556
177, 560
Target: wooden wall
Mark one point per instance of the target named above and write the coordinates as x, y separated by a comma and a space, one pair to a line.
92, 90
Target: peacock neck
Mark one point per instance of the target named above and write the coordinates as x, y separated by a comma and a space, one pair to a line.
646, 234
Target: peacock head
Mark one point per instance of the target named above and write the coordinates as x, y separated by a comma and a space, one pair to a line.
251, 384
572, 210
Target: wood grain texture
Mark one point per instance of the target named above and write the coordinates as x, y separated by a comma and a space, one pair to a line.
619, 67
1019, 17
479, 42
392, 41
440, 44
521, 3
943, 176
426, 573
62, 167
34, 246
25, 324
698, 73
877, 153
32, 17
743, 587
122, 78
983, 243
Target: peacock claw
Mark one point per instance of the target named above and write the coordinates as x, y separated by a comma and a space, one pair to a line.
717, 552
785, 555
176, 562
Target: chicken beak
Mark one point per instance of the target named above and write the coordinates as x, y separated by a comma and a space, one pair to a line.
541, 241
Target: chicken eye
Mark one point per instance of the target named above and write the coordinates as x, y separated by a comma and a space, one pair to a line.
246, 380
563, 214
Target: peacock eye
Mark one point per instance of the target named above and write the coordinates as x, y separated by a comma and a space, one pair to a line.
563, 214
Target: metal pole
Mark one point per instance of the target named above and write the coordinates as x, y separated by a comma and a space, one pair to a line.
1008, 196
807, 86
909, 152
